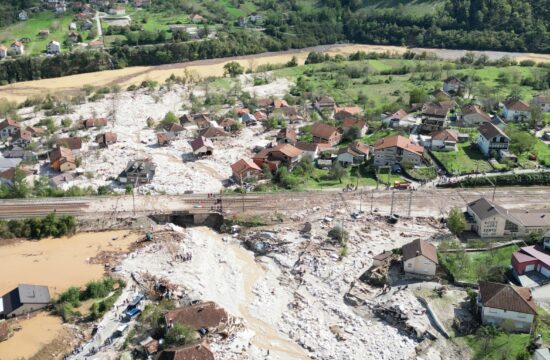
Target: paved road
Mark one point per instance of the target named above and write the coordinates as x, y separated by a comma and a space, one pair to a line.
423, 202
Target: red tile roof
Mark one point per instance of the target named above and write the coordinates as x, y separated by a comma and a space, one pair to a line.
243, 165
445, 135
517, 105
507, 297
419, 247
400, 142
200, 142
207, 315
73, 143
324, 131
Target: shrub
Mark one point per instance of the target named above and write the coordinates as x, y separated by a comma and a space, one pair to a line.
179, 335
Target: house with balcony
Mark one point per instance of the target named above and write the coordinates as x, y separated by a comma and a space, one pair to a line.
492, 141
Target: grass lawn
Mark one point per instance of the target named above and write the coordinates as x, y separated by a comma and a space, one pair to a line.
414, 7
465, 160
543, 152
544, 326
371, 139
472, 266
154, 21
58, 26
423, 173
319, 181
503, 346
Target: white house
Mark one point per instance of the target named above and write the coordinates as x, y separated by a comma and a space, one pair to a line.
8, 128
202, 146
492, 138
117, 10
453, 85
18, 48
444, 140
472, 115
23, 15
419, 257
516, 110
53, 48
506, 306
542, 101
400, 118
396, 150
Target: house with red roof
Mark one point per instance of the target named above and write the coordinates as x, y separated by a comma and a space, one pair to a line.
280, 155
396, 150
516, 110
507, 306
245, 170
325, 134
532, 258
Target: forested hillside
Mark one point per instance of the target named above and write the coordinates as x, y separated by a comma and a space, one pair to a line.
509, 25
10, 8
506, 25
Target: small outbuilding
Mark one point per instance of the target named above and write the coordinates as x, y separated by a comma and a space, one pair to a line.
24, 299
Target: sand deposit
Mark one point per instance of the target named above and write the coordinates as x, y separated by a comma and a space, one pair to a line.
58, 263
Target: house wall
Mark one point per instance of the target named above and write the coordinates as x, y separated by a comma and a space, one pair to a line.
8, 131
345, 158
25, 309
443, 145
519, 321
391, 156
420, 265
496, 143
472, 119
515, 115
520, 267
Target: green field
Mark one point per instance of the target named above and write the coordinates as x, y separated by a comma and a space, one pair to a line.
475, 266
58, 26
465, 160
414, 7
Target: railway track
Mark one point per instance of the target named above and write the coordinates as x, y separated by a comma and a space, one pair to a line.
261, 202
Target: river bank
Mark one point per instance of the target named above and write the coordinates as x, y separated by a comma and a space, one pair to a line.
70, 85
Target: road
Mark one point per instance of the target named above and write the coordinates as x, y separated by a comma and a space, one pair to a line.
423, 202
98, 25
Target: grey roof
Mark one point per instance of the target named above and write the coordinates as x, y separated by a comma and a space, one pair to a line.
33, 294
484, 208
419, 247
8, 163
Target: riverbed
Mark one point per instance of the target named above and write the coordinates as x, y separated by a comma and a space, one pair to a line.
71, 85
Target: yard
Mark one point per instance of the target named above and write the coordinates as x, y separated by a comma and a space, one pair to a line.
503, 346
474, 266
57, 25
467, 159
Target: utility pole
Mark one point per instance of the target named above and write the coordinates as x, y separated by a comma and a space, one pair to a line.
361, 201
371, 200
392, 198
410, 202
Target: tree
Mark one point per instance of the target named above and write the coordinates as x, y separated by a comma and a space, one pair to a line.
20, 187
337, 171
417, 95
169, 119
179, 335
293, 62
353, 133
536, 115
521, 142
233, 69
456, 222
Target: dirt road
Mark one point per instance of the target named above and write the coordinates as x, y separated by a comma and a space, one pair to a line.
214, 67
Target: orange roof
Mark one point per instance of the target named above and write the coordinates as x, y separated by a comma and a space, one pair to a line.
323, 130
287, 149
349, 122
244, 164
400, 142
352, 110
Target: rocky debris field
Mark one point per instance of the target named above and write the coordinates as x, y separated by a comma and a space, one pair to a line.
289, 292
177, 170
